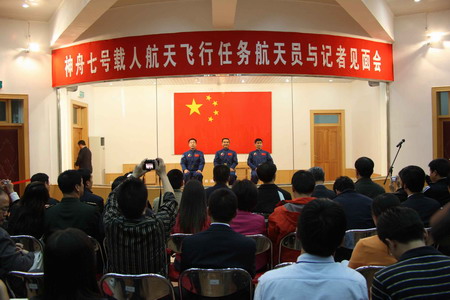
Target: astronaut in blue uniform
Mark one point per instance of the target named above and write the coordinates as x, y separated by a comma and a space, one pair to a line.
257, 157
192, 162
228, 158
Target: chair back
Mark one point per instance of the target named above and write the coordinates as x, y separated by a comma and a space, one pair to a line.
285, 264
291, 242
175, 241
215, 282
369, 272
99, 251
143, 286
30, 243
352, 236
34, 282
263, 244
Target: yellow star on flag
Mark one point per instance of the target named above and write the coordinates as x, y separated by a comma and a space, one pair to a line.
216, 112
194, 107
210, 119
208, 97
215, 103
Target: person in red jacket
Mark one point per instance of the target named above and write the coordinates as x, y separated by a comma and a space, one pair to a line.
284, 218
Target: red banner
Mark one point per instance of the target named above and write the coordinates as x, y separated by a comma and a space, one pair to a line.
222, 52
208, 117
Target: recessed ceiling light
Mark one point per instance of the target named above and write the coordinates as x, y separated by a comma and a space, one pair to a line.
417, 1
330, 80
25, 5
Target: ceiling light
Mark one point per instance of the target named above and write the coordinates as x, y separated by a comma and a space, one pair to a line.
435, 37
330, 80
33, 47
417, 1
25, 5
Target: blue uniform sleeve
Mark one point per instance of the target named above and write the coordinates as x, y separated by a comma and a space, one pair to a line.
183, 162
269, 158
217, 159
250, 161
234, 161
202, 161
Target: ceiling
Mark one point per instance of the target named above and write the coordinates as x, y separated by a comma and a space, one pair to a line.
42, 10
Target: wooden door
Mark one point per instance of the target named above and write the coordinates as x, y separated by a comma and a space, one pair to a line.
446, 138
327, 143
79, 127
14, 146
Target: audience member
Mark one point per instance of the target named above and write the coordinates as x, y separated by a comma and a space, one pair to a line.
193, 215
413, 179
321, 228
12, 256
371, 251
284, 218
246, 222
71, 212
84, 159
269, 194
219, 246
440, 230
176, 181
43, 178
365, 185
357, 207
135, 242
320, 190
421, 272
89, 197
395, 186
69, 264
221, 175
27, 214
119, 180
438, 186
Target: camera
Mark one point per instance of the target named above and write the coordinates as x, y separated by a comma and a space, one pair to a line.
149, 164
393, 178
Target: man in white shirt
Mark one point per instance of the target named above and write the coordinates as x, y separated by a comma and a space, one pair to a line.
321, 228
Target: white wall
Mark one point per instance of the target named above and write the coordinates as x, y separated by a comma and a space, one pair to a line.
30, 73
417, 69
125, 114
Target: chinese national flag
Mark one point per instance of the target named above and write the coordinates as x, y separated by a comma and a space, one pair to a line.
208, 117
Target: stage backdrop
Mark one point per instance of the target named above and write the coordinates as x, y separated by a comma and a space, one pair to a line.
208, 117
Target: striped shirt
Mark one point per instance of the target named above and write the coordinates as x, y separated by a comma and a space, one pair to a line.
420, 273
138, 246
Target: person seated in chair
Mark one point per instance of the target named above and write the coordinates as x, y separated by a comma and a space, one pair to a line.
321, 228
219, 246
422, 272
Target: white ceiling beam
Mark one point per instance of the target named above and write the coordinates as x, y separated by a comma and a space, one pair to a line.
223, 13
374, 16
74, 17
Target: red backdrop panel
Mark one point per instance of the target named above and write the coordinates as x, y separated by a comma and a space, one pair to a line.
240, 116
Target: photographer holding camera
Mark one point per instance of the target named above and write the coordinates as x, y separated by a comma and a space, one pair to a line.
135, 242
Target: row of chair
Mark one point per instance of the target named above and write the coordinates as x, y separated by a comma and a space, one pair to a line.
202, 282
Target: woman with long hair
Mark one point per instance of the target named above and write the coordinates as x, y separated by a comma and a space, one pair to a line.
27, 216
70, 266
192, 215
